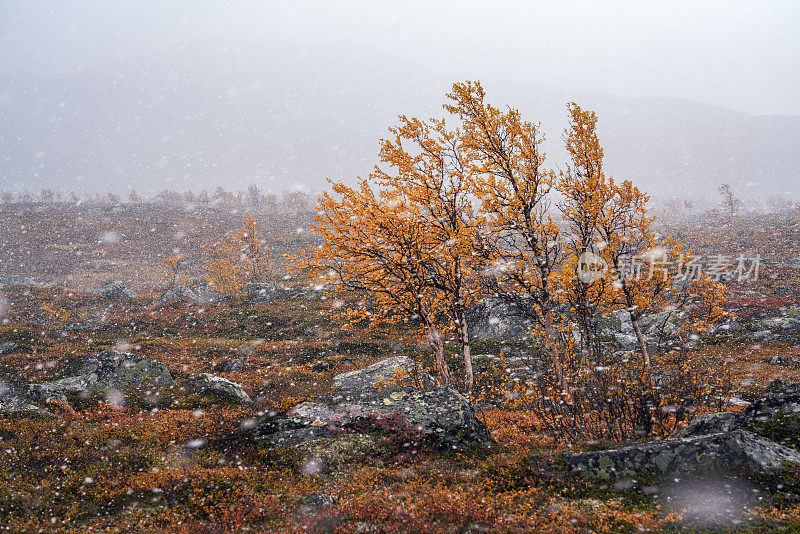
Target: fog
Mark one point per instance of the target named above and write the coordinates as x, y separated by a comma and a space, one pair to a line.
153, 95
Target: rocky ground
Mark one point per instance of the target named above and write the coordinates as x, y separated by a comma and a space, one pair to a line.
194, 412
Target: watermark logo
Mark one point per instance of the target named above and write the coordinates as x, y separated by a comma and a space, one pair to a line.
657, 265
591, 267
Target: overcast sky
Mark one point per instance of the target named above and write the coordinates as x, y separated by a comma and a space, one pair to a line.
738, 54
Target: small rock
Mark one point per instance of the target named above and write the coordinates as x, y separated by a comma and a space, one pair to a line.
780, 324
17, 280
9, 347
263, 292
234, 365
321, 366
203, 291
221, 388
495, 319
784, 361
792, 312
115, 290
179, 293
783, 290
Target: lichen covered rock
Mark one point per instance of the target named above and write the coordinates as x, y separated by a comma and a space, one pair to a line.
726, 452
754, 441
380, 399
12, 403
220, 388
113, 375
63, 389
439, 416
399, 370
776, 330
115, 290
712, 423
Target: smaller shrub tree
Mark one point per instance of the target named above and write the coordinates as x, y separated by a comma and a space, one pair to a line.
237, 258
173, 265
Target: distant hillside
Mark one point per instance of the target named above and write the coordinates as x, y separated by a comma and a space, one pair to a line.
290, 117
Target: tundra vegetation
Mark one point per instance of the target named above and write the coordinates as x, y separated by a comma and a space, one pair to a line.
547, 297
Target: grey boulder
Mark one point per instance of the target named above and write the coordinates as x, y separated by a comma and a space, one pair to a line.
721, 442
712, 423
113, 374
775, 414
9, 347
115, 290
437, 415
399, 370
178, 293
221, 388
724, 452
495, 319
776, 330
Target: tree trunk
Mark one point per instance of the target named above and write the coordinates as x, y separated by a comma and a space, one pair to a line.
642, 344
444, 369
437, 343
468, 378
587, 322
551, 346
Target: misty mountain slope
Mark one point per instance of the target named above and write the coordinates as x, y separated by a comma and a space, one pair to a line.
290, 117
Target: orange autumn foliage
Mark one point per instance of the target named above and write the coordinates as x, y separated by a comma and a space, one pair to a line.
238, 258
462, 213
406, 253
519, 240
173, 265
430, 171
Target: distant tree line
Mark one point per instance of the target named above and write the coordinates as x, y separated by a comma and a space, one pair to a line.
253, 198
730, 203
